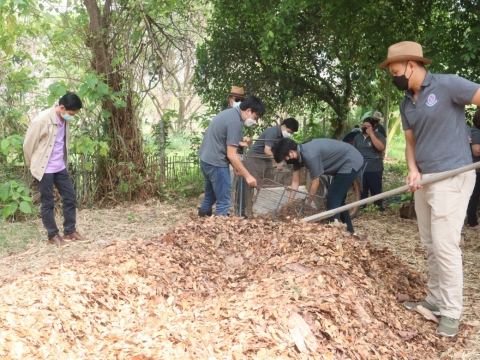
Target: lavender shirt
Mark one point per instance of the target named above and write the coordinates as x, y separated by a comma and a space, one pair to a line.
56, 163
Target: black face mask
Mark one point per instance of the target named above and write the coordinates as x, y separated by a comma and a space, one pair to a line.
401, 82
291, 161
364, 130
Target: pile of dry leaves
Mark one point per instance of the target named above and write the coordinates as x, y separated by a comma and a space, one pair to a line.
221, 288
293, 211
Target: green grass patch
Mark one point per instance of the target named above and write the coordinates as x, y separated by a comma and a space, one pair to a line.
16, 236
396, 149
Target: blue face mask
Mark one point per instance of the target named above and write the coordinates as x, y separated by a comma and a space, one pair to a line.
236, 104
67, 117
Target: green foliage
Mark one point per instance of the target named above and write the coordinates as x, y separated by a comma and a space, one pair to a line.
203, 120
457, 50
15, 197
188, 184
303, 54
11, 149
91, 150
372, 208
396, 148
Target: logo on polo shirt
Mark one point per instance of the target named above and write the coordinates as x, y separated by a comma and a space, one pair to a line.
432, 100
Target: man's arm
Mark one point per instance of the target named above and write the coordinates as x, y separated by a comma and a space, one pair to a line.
295, 184
313, 189
476, 150
238, 165
376, 141
413, 174
476, 98
268, 151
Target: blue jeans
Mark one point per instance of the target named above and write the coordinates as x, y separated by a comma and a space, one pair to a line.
217, 188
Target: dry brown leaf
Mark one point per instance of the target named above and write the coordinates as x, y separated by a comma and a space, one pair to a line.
407, 335
301, 333
185, 295
298, 268
403, 297
427, 314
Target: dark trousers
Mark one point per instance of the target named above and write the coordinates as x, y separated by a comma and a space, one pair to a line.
62, 182
473, 203
372, 181
337, 193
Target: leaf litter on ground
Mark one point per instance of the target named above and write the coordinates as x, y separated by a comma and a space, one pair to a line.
222, 288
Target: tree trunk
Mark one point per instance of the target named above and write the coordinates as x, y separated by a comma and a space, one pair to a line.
126, 163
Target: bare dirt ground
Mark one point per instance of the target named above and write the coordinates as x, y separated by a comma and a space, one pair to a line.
145, 221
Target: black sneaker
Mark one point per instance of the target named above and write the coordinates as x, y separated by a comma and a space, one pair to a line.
204, 213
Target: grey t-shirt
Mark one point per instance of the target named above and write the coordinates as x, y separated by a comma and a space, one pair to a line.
272, 133
370, 154
437, 120
475, 135
328, 156
224, 129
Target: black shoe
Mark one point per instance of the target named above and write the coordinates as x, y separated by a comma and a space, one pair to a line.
204, 213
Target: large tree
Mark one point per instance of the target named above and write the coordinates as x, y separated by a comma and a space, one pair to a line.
304, 53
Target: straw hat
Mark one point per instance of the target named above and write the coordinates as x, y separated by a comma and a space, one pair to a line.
405, 51
377, 115
237, 91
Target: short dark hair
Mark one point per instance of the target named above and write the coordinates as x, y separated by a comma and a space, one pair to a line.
371, 121
254, 103
282, 148
291, 123
476, 119
71, 101
419, 63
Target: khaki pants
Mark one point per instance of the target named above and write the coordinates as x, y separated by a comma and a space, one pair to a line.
440, 209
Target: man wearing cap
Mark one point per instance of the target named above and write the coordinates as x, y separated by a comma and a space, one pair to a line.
377, 116
433, 113
236, 96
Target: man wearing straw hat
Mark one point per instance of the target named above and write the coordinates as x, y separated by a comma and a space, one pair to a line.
236, 96
433, 113
377, 116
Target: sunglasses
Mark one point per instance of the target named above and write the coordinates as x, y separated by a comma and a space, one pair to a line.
238, 99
